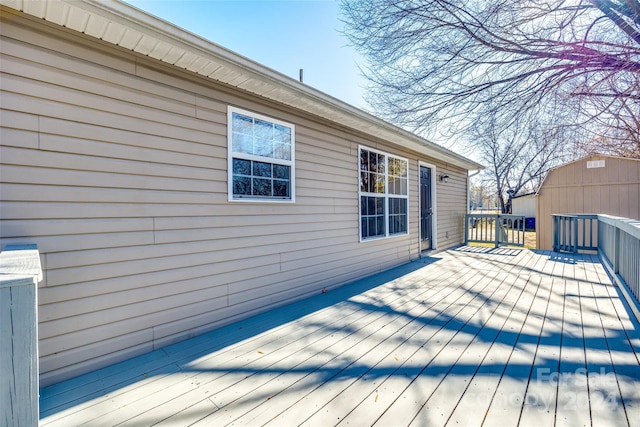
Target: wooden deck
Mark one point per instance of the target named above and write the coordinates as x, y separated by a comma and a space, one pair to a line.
468, 337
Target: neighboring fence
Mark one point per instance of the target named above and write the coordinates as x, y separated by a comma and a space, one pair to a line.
496, 229
572, 233
20, 273
617, 241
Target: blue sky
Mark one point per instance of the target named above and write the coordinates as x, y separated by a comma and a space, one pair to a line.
284, 35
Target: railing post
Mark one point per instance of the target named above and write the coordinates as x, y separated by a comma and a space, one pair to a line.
497, 228
616, 251
466, 229
20, 273
554, 220
575, 236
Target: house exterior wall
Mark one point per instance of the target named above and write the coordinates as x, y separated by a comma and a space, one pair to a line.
116, 167
575, 188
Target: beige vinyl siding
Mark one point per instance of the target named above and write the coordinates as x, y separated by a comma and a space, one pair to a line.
115, 166
574, 188
452, 205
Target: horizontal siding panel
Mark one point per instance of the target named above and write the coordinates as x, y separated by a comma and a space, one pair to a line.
23, 175
132, 324
339, 257
312, 273
169, 333
282, 288
44, 160
97, 62
44, 210
63, 194
266, 236
195, 153
103, 271
135, 309
53, 368
112, 285
47, 69
48, 227
78, 360
68, 308
85, 241
41, 210
62, 119
102, 62
249, 219
59, 87
19, 121
223, 250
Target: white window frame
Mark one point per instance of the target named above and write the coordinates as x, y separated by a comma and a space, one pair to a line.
245, 156
386, 195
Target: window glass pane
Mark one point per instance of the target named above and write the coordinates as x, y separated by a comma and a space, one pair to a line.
242, 143
380, 163
380, 183
261, 169
263, 130
280, 188
371, 205
281, 151
281, 171
241, 185
380, 226
281, 134
262, 187
364, 182
242, 124
263, 147
372, 217
241, 167
371, 227
397, 216
364, 160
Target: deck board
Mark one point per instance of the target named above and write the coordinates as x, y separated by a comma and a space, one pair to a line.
472, 336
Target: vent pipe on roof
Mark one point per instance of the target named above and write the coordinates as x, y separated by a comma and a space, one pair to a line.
301, 75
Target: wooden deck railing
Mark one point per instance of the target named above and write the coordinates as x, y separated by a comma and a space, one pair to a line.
496, 229
20, 273
619, 244
572, 233
617, 241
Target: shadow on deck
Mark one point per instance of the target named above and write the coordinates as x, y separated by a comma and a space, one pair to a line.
471, 336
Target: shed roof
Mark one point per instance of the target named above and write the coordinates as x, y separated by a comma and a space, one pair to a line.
582, 159
123, 25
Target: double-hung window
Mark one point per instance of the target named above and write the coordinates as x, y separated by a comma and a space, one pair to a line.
383, 194
261, 158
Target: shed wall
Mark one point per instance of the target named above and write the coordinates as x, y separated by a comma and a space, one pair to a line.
525, 205
574, 188
115, 166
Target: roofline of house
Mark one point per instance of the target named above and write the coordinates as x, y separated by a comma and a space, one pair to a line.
126, 26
